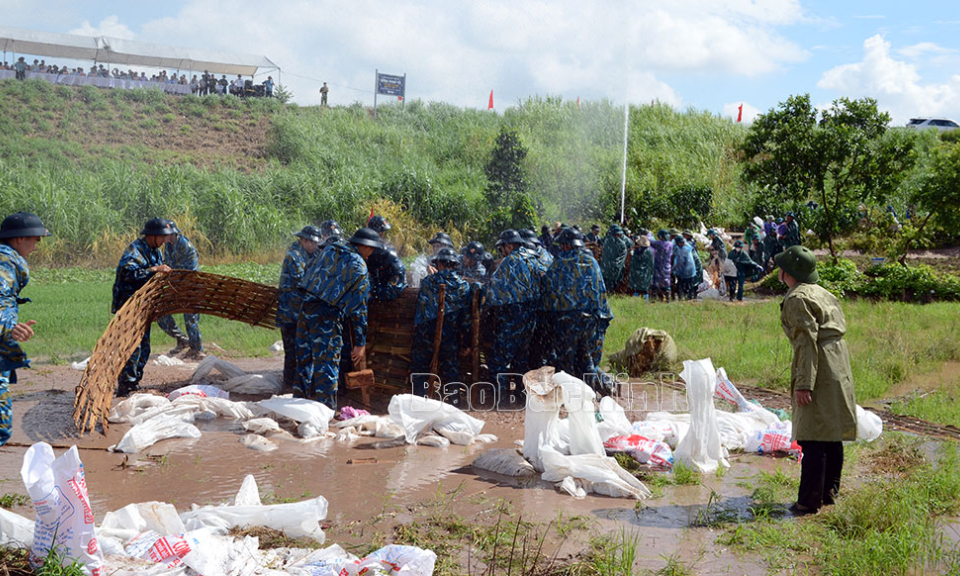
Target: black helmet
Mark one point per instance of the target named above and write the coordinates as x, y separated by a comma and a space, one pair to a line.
22, 225
509, 236
378, 224
473, 250
309, 233
570, 237
330, 228
174, 226
445, 255
530, 239
441, 238
366, 237
159, 227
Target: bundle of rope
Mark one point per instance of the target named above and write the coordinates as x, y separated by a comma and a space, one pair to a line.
179, 291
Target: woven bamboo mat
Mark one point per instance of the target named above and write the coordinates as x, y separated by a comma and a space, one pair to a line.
179, 291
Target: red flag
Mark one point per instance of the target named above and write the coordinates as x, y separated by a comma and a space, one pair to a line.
739, 112
371, 215
578, 103
490, 105
399, 97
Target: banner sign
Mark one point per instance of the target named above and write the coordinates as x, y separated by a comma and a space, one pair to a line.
390, 85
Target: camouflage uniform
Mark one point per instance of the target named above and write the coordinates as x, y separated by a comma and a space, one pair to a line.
455, 332
288, 306
512, 288
388, 277
181, 255
575, 298
336, 288
133, 271
14, 275
475, 273
541, 349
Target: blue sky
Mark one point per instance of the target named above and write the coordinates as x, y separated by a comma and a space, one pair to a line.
709, 54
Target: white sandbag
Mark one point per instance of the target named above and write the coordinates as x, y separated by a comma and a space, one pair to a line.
82, 365
134, 406
504, 461
253, 384
277, 346
569, 485
598, 474
456, 431
387, 428
541, 415
728, 391
701, 447
673, 427
736, 427
261, 425
389, 560
134, 519
201, 390
615, 422
163, 360
64, 518
710, 294
211, 363
579, 400
258, 443
347, 435
296, 519
869, 425
144, 435
315, 416
417, 415
213, 553
184, 411
433, 440
220, 406
15, 530
485, 438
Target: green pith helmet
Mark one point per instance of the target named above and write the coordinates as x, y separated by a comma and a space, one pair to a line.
799, 262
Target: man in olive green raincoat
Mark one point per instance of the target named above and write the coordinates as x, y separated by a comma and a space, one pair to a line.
613, 258
821, 383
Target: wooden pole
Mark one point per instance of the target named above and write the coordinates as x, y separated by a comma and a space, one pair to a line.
475, 336
438, 334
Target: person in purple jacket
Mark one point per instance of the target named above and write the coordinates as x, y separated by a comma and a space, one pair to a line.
662, 264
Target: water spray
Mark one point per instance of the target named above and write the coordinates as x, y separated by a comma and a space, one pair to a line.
623, 173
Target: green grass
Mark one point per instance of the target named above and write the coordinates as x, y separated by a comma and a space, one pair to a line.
11, 499
889, 342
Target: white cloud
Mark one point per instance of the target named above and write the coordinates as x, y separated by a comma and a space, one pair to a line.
922, 49
895, 84
109, 26
457, 52
732, 110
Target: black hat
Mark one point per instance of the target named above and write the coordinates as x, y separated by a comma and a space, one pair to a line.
473, 250
509, 236
159, 227
22, 225
174, 226
530, 239
366, 237
441, 238
330, 228
309, 233
445, 255
378, 224
595, 227
570, 237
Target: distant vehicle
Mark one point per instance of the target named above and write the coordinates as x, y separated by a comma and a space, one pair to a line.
941, 124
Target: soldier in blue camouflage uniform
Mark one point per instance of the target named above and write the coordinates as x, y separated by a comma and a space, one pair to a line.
471, 266
388, 277
533, 244
456, 323
180, 254
140, 261
335, 290
541, 344
512, 294
380, 225
19, 235
298, 258
575, 298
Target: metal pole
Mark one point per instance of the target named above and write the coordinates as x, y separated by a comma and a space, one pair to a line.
376, 85
403, 104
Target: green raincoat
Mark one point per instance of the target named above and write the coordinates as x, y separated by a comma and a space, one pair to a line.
641, 269
813, 322
612, 260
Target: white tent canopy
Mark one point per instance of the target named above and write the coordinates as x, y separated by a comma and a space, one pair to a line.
129, 52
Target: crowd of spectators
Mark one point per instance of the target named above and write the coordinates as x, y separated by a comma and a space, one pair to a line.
206, 83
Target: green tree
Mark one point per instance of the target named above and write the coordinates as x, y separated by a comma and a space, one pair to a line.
844, 158
938, 195
506, 192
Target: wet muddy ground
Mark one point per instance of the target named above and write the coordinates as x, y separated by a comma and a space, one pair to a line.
400, 485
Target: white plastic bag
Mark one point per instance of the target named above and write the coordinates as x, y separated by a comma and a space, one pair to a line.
701, 448
615, 421
542, 414
201, 390
134, 519
417, 415
64, 518
145, 435
869, 425
15, 530
598, 474
772, 440
314, 417
210, 363
261, 425
390, 560
258, 443
433, 440
127, 410
504, 461
579, 400
253, 384
643, 450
